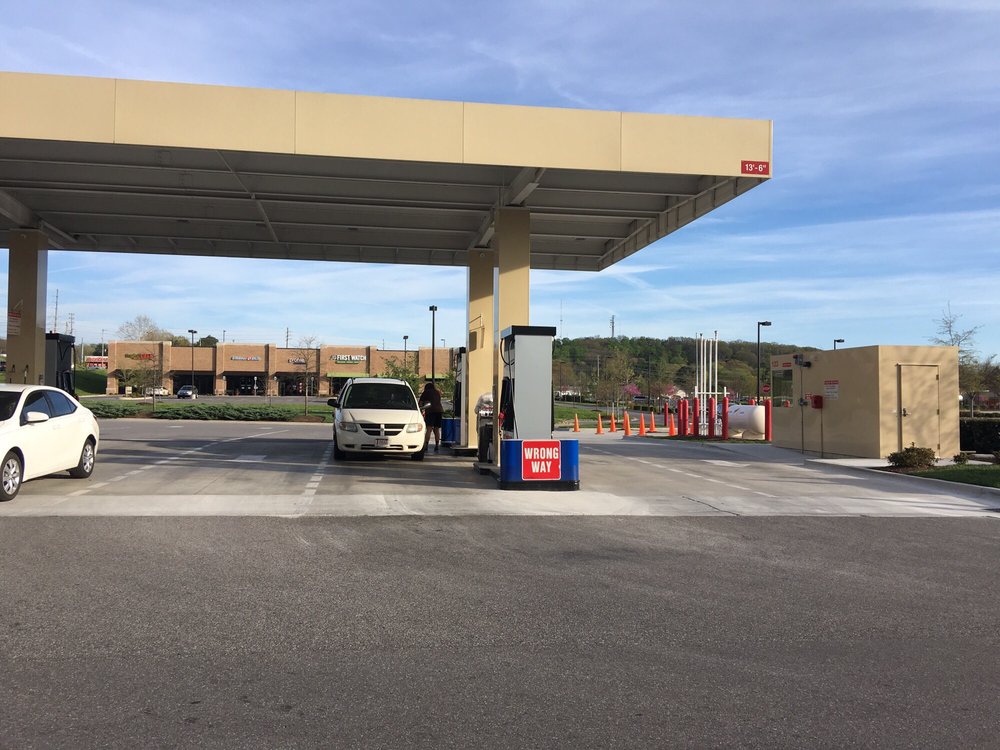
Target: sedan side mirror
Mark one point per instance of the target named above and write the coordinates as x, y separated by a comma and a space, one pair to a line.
35, 417
334, 402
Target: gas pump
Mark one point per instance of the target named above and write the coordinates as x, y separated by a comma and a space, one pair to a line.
459, 401
528, 457
59, 355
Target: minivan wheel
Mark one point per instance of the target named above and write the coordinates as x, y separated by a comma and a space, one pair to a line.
10, 476
87, 459
338, 455
419, 455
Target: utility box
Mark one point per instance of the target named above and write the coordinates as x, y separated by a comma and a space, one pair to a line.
59, 354
866, 402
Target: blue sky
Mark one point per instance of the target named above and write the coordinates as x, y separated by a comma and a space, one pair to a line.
884, 208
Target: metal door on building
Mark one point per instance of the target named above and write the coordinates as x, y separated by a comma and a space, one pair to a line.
919, 408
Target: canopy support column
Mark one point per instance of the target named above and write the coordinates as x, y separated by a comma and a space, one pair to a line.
480, 343
27, 277
513, 237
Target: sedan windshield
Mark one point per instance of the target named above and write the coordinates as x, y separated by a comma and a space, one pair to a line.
8, 403
380, 396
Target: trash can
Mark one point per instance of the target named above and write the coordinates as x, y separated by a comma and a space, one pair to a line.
450, 430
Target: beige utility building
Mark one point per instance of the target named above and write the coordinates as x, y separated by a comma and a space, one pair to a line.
116, 165
867, 402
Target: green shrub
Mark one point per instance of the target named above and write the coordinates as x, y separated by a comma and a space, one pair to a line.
961, 458
228, 412
979, 435
112, 409
913, 458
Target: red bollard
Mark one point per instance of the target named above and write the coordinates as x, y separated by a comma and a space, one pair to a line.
682, 417
767, 419
711, 416
725, 417
696, 417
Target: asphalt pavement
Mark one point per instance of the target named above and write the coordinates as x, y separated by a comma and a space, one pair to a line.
230, 585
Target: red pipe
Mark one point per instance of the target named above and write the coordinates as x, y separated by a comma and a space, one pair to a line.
711, 416
696, 417
725, 417
767, 419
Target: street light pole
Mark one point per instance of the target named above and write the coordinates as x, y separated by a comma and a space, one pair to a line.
759, 324
433, 309
404, 351
192, 332
835, 342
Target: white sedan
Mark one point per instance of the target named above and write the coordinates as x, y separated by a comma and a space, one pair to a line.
43, 431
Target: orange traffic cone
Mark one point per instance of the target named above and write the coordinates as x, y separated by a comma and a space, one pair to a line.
576, 423
642, 425
672, 431
652, 421
613, 428
600, 424
628, 427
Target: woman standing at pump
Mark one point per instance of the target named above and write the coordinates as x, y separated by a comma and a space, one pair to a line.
430, 397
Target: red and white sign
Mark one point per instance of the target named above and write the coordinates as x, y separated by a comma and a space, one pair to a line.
759, 168
541, 459
766, 388
831, 389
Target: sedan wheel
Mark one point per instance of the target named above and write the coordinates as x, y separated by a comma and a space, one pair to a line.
86, 466
10, 481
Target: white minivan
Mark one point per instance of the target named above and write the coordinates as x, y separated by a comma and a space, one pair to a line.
377, 415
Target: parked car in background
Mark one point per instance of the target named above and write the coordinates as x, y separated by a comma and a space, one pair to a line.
187, 391
43, 430
377, 415
156, 390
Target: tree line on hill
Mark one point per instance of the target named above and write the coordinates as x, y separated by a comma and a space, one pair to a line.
610, 369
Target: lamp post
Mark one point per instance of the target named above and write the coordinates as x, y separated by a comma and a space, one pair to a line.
759, 324
192, 332
835, 342
433, 309
405, 339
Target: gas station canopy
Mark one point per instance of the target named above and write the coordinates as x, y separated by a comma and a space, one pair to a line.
143, 167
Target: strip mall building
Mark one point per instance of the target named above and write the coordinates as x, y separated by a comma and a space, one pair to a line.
264, 369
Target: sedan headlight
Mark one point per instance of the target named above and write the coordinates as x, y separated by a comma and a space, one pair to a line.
415, 427
348, 426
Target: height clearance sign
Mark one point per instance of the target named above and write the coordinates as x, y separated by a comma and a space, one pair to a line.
541, 460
